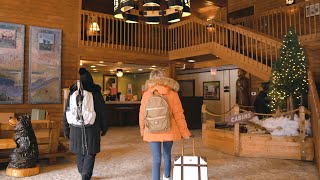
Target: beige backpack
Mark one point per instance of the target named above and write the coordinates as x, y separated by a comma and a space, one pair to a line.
157, 113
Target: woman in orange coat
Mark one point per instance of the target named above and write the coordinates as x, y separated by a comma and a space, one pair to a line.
178, 126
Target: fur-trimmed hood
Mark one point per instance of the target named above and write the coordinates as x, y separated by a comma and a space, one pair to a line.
163, 81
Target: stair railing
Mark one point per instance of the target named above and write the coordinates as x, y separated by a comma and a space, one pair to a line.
195, 32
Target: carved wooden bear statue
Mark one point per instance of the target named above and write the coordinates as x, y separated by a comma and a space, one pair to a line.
25, 155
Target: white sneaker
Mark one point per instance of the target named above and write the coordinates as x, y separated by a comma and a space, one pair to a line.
164, 178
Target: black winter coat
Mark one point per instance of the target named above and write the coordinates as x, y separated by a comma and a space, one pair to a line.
260, 104
92, 132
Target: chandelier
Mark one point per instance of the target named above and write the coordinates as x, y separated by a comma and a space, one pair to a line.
151, 11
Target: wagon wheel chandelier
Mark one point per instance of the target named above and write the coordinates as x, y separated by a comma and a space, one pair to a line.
151, 11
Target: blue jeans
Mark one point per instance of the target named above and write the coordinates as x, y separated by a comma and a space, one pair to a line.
156, 161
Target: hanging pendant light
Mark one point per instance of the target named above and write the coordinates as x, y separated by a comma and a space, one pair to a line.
151, 3
131, 18
117, 11
119, 73
176, 4
186, 8
126, 5
152, 20
174, 17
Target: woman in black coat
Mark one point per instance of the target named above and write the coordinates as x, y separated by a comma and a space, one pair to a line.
261, 104
86, 156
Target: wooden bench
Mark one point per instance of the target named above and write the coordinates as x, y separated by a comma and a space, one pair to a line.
47, 134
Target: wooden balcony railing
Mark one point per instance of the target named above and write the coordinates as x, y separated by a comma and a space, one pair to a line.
165, 40
304, 17
117, 34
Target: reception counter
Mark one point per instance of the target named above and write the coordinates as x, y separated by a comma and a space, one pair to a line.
122, 113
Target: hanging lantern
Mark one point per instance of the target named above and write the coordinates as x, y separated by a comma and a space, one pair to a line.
117, 11
186, 8
176, 4
151, 3
126, 5
152, 20
131, 18
174, 17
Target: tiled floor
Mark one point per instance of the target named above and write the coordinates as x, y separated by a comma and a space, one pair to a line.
125, 156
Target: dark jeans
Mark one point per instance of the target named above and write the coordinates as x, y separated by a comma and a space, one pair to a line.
85, 165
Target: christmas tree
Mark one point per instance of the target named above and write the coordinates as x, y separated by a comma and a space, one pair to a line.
289, 74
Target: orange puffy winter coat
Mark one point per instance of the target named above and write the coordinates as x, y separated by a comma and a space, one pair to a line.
178, 127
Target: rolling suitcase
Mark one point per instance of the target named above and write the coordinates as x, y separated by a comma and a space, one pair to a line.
190, 167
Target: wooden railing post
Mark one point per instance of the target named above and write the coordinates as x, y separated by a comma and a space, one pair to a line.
236, 110
302, 129
204, 114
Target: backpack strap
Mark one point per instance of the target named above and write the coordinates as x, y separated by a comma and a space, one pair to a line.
155, 92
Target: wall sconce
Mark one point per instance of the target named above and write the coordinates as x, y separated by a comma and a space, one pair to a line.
119, 73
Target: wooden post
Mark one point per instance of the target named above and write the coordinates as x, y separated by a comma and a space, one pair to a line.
291, 107
204, 114
171, 70
236, 110
302, 129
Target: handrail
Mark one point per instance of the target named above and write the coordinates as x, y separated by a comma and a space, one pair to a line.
314, 105
277, 21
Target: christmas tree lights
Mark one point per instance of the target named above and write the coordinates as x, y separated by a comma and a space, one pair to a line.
289, 74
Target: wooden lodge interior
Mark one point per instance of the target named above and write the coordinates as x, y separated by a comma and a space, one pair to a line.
224, 35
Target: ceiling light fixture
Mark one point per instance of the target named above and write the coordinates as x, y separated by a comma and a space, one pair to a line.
119, 73
151, 11
191, 61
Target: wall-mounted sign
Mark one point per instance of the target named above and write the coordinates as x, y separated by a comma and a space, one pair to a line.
237, 118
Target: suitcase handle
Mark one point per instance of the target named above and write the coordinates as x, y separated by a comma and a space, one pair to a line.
192, 147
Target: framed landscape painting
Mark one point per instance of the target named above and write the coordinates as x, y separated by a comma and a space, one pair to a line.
211, 90
44, 66
11, 63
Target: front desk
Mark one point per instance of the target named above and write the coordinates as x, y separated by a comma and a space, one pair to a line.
122, 113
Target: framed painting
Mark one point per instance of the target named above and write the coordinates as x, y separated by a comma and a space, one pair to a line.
316, 8
211, 90
110, 84
187, 88
11, 63
44, 66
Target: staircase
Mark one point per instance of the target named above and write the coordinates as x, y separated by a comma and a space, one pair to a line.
304, 17
250, 51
